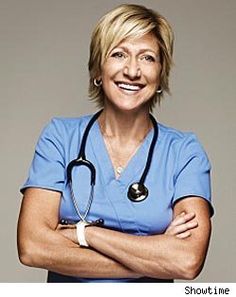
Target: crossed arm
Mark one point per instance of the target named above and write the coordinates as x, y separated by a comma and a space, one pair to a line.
179, 253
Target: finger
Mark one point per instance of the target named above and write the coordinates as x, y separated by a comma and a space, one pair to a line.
184, 235
71, 226
177, 220
187, 226
189, 216
183, 218
61, 226
182, 228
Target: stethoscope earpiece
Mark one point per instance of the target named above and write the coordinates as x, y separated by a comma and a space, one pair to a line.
137, 192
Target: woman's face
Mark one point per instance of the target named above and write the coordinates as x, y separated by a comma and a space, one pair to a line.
131, 73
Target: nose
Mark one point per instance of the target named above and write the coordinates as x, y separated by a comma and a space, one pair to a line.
132, 69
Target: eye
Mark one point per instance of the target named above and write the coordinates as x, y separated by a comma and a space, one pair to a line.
119, 55
148, 58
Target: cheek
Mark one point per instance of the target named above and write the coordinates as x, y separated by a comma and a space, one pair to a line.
157, 74
152, 74
109, 70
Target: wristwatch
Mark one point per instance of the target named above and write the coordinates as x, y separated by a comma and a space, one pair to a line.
80, 230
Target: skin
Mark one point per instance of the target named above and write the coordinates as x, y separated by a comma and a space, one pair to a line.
44, 244
133, 61
178, 253
125, 120
158, 256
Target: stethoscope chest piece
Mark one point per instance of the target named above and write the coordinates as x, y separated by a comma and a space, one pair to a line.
137, 192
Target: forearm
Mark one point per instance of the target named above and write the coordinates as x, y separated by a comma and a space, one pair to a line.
158, 256
50, 250
161, 256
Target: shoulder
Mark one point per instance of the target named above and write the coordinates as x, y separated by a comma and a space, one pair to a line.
65, 125
181, 142
69, 123
61, 130
169, 134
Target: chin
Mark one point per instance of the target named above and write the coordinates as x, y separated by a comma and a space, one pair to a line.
131, 107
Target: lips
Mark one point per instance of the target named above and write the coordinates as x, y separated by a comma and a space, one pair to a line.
133, 87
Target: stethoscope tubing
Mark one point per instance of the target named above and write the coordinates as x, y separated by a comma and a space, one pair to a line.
151, 150
136, 192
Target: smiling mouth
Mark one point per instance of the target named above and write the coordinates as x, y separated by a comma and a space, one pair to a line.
130, 87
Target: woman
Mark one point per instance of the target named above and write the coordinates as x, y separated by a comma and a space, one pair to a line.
145, 215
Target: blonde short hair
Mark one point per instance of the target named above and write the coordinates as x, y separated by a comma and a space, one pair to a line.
129, 21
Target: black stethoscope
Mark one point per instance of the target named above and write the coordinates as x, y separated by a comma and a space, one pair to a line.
137, 191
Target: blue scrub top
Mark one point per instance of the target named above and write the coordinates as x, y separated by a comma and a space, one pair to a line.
179, 168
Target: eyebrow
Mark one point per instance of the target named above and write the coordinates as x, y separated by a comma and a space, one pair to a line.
143, 50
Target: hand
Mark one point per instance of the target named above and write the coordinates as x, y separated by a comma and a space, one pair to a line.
68, 231
181, 225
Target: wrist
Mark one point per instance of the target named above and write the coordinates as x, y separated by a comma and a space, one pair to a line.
83, 238
88, 234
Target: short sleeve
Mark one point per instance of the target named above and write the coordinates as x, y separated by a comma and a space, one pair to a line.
47, 169
193, 171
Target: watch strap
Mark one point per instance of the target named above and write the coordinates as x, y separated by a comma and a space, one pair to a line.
80, 231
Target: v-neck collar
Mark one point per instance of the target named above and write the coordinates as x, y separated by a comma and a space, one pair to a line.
133, 169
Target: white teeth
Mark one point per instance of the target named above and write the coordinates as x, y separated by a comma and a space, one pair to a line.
129, 87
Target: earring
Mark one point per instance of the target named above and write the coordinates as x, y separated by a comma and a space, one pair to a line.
159, 91
97, 82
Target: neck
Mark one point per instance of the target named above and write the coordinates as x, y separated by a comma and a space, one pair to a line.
125, 125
